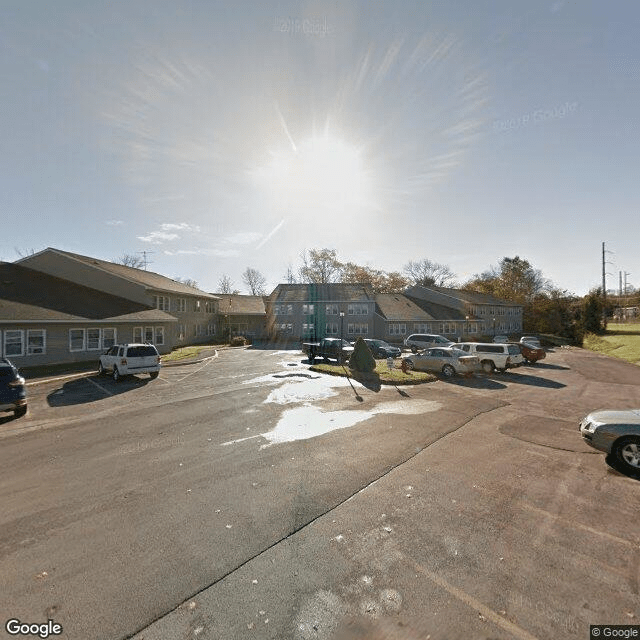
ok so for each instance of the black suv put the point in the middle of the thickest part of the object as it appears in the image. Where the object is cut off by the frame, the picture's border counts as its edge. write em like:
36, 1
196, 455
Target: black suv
13, 394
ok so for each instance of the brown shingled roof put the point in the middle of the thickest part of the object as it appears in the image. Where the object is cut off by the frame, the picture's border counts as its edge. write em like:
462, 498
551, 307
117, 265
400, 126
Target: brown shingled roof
28, 295
236, 304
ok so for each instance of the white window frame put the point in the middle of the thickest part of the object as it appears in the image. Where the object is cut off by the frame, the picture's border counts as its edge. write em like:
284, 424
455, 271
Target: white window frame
158, 337
181, 305
103, 337
358, 309
332, 310
331, 329
397, 329
357, 329
148, 333
162, 303
14, 331
36, 350
138, 332
93, 344
307, 309
84, 340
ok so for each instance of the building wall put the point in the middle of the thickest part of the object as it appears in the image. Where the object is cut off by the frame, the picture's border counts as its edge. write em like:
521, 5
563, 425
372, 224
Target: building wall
90, 339
321, 318
197, 323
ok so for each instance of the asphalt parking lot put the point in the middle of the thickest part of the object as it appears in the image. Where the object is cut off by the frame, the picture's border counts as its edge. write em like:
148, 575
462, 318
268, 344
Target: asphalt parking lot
245, 496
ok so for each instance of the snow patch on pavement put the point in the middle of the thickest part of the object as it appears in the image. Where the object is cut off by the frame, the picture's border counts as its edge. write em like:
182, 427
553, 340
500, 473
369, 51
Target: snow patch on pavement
307, 421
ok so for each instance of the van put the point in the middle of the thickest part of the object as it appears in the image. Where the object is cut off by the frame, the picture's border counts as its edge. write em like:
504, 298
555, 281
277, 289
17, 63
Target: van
418, 341
494, 356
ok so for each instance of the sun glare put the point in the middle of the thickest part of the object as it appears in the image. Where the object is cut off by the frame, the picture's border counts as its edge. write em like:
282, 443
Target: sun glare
323, 173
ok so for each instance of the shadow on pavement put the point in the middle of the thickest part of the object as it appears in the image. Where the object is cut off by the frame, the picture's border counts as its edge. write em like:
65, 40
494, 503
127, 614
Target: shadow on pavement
615, 467
476, 383
545, 365
534, 381
91, 389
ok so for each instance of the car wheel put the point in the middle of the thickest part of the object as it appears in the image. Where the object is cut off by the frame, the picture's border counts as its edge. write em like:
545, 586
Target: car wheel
448, 371
627, 452
154, 375
488, 366
19, 412
409, 364
116, 374
101, 370
414, 349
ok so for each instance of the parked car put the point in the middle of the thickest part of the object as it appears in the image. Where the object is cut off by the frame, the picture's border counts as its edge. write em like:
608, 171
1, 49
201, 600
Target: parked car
127, 359
531, 340
419, 341
531, 353
616, 433
445, 360
501, 339
493, 355
13, 393
382, 349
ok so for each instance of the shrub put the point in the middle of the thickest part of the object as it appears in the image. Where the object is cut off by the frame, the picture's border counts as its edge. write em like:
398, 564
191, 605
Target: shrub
238, 341
361, 358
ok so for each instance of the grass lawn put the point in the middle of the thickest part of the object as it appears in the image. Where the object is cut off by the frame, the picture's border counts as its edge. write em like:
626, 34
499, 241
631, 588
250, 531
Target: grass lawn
183, 353
620, 340
385, 375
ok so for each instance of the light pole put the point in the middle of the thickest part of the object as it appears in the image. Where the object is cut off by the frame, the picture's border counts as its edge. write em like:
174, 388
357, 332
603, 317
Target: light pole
494, 326
466, 326
341, 325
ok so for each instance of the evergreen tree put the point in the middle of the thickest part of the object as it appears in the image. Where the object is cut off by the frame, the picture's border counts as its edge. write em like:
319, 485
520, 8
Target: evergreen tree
361, 358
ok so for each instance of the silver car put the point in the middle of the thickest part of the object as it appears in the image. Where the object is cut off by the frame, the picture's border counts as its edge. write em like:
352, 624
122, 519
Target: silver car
616, 433
445, 360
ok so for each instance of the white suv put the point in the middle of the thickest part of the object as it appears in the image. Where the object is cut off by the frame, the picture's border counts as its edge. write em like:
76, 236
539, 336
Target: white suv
493, 355
126, 359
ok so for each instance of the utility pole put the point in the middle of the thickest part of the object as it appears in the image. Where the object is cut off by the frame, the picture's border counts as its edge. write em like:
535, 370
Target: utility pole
604, 289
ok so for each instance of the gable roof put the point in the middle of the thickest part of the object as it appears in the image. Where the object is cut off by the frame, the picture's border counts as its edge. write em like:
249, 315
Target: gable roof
28, 295
397, 307
236, 304
457, 295
329, 292
147, 279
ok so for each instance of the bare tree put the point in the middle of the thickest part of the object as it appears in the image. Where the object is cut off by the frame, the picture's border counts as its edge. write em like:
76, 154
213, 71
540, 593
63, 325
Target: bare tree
225, 285
290, 276
320, 266
254, 281
130, 260
24, 253
427, 273
188, 281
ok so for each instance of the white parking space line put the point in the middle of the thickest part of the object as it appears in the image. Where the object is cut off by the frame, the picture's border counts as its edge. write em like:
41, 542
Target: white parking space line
205, 363
95, 384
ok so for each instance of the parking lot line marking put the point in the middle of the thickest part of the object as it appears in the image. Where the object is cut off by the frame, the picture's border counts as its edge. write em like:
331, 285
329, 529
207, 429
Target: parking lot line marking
95, 384
206, 361
475, 604
584, 527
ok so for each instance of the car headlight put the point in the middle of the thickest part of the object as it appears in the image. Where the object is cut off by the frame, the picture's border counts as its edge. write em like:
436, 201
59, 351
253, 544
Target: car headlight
590, 426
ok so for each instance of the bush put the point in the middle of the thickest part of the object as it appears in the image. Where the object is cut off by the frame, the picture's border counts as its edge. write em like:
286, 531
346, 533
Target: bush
238, 341
361, 358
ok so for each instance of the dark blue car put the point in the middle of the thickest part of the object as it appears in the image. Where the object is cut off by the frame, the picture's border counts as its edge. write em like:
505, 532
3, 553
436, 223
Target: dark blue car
382, 349
13, 393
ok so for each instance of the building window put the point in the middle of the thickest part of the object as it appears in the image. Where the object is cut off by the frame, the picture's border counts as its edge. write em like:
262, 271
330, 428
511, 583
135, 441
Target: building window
331, 310
308, 328
137, 334
358, 309
36, 342
159, 335
13, 343
162, 303
331, 329
93, 339
357, 329
397, 329
449, 327
286, 328
211, 329
197, 306
181, 331
181, 305
422, 327
210, 307
307, 309
77, 339
108, 338
148, 334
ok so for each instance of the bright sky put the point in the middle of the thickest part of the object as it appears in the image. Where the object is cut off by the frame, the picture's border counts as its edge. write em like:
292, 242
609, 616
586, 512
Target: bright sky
217, 135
